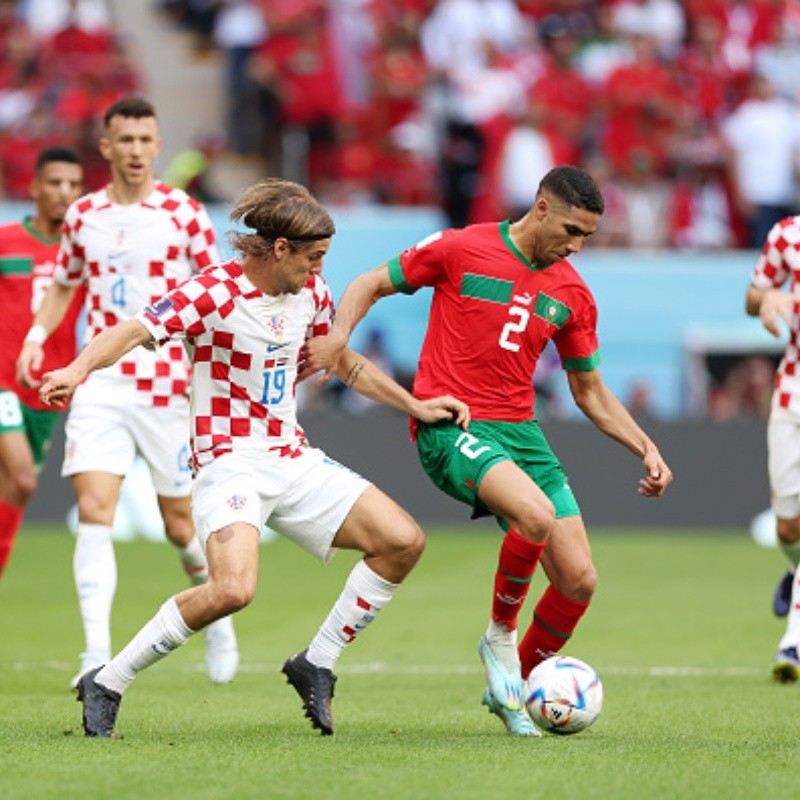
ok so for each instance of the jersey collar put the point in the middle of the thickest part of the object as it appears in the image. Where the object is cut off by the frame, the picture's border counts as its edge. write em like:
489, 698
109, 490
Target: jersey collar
505, 235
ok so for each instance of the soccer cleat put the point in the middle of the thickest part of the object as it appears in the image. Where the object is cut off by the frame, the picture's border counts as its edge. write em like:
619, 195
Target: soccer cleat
89, 661
782, 599
786, 667
100, 706
518, 723
505, 686
222, 652
315, 687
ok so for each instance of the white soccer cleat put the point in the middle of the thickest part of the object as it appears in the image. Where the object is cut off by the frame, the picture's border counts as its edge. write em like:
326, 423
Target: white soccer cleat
222, 651
90, 661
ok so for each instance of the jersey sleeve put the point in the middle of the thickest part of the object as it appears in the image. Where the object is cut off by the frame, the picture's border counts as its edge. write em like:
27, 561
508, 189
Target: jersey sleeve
576, 341
323, 308
424, 264
70, 261
187, 311
771, 270
202, 249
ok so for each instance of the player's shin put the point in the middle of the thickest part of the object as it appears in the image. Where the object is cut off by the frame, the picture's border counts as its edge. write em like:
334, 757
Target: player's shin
10, 522
554, 620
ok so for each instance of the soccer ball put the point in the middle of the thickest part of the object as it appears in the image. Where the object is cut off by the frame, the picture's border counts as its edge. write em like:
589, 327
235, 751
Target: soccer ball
564, 695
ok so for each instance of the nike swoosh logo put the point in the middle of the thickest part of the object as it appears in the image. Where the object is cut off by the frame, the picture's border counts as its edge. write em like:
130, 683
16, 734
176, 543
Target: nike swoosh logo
271, 348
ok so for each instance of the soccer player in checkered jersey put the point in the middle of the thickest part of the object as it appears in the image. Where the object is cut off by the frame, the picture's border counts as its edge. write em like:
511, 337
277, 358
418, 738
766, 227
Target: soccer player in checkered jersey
129, 243
245, 323
501, 291
28, 252
779, 265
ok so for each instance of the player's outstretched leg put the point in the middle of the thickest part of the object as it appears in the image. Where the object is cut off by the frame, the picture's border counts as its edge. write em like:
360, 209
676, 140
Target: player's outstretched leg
782, 599
518, 723
100, 706
222, 651
315, 687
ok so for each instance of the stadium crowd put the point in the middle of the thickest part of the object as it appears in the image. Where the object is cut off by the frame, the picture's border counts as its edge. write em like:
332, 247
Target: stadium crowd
685, 113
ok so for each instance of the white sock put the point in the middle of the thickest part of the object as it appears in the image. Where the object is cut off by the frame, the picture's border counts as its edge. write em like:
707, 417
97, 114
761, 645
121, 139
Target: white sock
503, 643
95, 570
365, 593
792, 552
165, 632
194, 561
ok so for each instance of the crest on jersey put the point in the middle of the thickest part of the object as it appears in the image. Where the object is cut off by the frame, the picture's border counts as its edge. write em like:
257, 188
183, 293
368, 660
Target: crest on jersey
237, 502
277, 327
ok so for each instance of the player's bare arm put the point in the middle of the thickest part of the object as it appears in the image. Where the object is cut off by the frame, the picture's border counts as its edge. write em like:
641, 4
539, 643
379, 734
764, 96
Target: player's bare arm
55, 303
323, 352
361, 375
770, 305
103, 351
605, 410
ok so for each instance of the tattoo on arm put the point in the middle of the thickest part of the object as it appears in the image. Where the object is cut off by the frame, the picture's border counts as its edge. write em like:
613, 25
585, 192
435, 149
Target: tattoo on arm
352, 376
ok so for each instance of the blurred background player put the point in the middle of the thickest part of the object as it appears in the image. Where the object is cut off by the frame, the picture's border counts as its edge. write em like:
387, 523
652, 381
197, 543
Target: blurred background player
129, 242
502, 291
775, 267
28, 251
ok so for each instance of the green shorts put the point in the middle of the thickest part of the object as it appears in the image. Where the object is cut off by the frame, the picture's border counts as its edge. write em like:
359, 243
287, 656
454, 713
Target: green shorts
38, 426
457, 461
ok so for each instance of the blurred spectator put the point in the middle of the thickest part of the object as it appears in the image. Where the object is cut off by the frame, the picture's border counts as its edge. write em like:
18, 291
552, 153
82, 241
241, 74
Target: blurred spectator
745, 392
46, 17
613, 228
701, 212
640, 401
603, 50
648, 199
779, 61
526, 156
375, 350
663, 20
239, 29
763, 139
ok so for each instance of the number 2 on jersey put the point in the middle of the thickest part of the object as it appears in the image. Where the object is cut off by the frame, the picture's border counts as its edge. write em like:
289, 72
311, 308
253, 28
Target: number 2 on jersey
514, 326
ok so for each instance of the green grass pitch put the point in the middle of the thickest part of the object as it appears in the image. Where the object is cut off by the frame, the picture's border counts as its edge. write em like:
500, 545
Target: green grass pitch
681, 633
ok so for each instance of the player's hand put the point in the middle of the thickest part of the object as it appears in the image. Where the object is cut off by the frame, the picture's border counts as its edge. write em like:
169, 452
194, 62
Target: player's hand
29, 362
320, 353
776, 305
57, 386
440, 408
659, 475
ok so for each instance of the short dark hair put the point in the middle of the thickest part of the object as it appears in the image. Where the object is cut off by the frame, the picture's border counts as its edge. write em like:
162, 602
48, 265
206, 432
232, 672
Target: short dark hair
573, 186
130, 108
56, 153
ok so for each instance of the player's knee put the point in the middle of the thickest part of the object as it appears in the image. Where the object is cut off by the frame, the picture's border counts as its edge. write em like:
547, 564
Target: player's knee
789, 530
232, 593
21, 487
535, 520
403, 546
94, 508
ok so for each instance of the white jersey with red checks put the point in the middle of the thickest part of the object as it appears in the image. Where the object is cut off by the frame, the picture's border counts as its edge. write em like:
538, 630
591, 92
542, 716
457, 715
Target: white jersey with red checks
244, 347
778, 264
129, 256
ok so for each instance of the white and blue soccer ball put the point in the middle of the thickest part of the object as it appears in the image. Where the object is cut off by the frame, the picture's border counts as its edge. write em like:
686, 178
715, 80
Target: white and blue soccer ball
564, 695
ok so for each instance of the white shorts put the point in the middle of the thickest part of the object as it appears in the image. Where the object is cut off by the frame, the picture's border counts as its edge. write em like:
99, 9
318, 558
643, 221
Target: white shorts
305, 499
783, 447
107, 439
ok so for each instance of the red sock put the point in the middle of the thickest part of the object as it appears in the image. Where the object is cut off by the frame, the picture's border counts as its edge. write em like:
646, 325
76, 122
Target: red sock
554, 620
10, 521
517, 562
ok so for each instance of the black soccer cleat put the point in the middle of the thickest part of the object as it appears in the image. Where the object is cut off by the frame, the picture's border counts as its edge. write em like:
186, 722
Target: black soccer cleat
315, 687
100, 706
782, 600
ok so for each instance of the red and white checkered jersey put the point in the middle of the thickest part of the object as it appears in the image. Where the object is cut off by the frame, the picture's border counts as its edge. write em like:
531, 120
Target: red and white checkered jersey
244, 347
129, 256
778, 263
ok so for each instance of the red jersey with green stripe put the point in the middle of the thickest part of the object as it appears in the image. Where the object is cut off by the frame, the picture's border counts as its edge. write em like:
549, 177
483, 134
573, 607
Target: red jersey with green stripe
27, 261
492, 314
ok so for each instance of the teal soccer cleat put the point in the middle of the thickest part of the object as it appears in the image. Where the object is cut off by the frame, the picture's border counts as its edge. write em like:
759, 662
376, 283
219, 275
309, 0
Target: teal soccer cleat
517, 723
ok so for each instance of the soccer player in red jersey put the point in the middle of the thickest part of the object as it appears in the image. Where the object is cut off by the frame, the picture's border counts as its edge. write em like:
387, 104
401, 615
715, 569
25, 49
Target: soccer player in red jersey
128, 243
28, 252
501, 292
